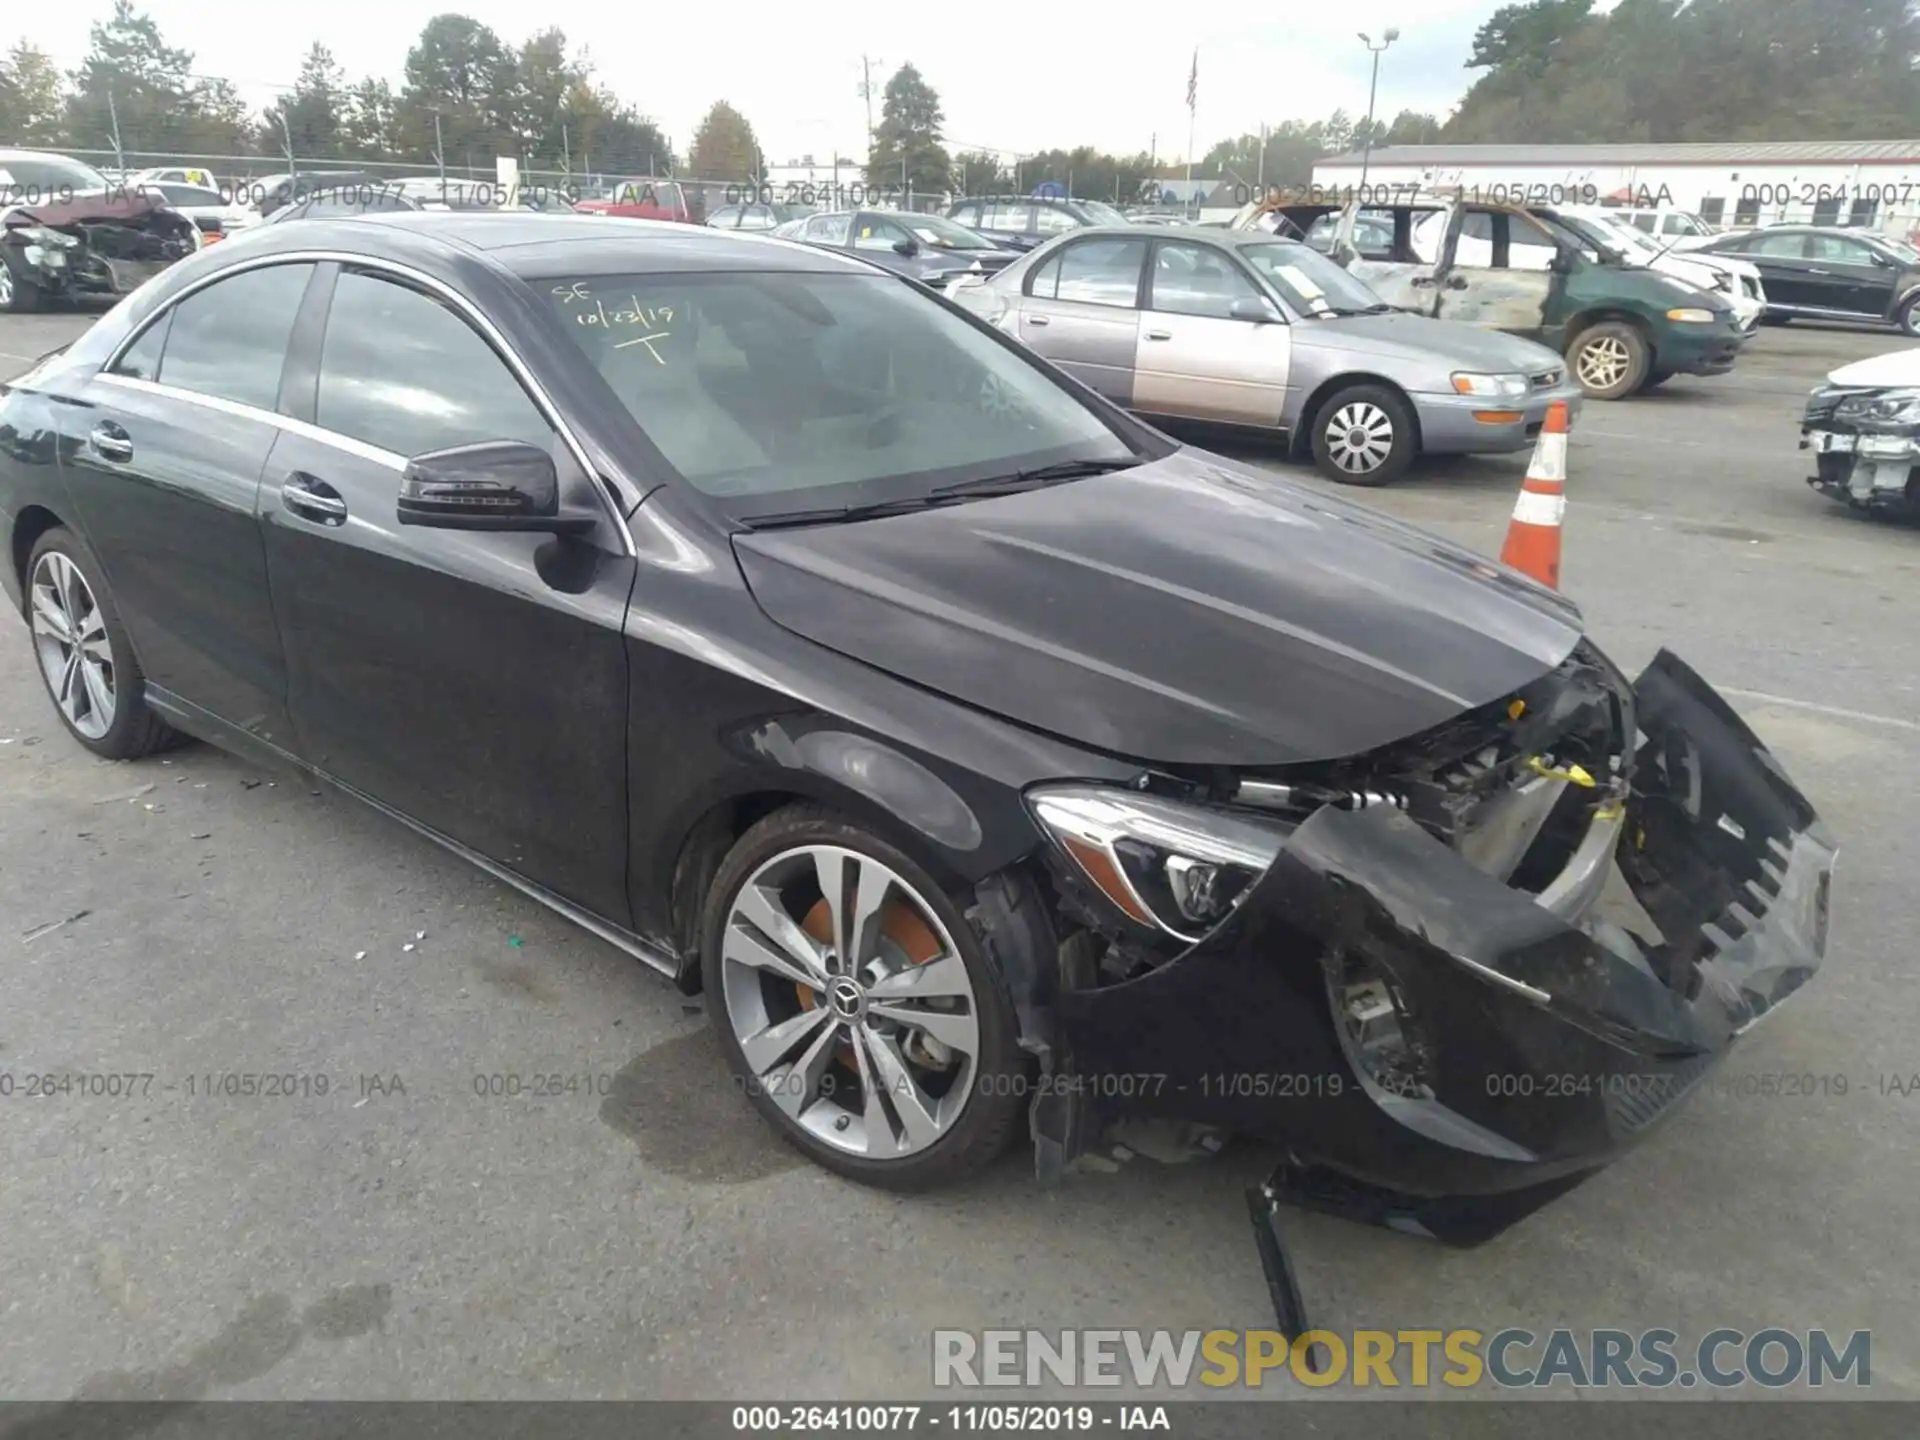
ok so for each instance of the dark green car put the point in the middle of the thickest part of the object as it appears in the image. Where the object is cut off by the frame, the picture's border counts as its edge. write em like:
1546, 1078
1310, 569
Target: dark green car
1621, 326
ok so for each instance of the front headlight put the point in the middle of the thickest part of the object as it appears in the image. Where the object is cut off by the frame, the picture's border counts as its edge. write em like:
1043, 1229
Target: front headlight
1501, 387
1169, 866
1687, 315
1900, 406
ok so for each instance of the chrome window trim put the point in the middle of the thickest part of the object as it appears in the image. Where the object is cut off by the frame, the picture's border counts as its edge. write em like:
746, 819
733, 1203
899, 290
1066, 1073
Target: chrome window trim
471, 312
274, 418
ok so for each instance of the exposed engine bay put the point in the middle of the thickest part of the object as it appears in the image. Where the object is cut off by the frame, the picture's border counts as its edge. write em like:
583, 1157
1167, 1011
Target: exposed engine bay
108, 244
1528, 789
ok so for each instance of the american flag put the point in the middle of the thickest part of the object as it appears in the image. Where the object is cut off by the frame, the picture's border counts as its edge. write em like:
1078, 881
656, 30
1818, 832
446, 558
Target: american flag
1193, 81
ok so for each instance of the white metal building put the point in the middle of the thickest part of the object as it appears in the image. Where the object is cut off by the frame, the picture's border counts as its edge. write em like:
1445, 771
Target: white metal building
1874, 183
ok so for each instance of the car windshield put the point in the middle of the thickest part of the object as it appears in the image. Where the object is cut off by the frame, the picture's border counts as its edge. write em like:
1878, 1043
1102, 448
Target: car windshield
48, 177
1593, 236
781, 392
1101, 214
1900, 248
1311, 283
934, 230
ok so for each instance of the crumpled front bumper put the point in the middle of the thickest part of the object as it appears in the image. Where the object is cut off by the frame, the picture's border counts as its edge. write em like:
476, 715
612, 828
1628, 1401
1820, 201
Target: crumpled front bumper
1548, 1051
1871, 464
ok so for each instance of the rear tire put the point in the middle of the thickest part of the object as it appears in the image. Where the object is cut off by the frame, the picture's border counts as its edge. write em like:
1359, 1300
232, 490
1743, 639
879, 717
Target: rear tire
1610, 360
1909, 319
920, 974
1364, 435
85, 659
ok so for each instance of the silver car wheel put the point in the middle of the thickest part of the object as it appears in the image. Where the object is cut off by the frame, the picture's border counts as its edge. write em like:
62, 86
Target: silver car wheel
70, 635
6, 287
857, 1018
1360, 437
1603, 363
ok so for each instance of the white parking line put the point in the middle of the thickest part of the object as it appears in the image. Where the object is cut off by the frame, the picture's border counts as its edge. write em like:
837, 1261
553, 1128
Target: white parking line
1839, 712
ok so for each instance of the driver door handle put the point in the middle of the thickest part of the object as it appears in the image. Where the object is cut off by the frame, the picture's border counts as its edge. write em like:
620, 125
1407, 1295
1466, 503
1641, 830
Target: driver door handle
1812, 270
1159, 334
1034, 319
110, 442
313, 499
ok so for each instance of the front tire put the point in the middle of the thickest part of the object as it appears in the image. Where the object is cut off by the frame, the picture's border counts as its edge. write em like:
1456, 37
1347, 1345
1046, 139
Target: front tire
1610, 360
1909, 319
855, 1005
1363, 435
17, 296
86, 660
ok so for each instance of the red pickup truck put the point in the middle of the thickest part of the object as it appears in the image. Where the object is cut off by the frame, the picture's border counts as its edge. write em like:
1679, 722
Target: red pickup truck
643, 199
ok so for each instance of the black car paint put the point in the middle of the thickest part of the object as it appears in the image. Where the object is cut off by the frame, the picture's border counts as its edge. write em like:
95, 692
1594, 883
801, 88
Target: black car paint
1875, 290
419, 669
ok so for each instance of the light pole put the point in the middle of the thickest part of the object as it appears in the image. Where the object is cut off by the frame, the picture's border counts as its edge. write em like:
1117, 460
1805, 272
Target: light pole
1387, 37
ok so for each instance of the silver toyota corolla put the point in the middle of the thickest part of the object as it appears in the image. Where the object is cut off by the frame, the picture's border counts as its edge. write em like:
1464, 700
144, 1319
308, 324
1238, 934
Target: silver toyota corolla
1244, 328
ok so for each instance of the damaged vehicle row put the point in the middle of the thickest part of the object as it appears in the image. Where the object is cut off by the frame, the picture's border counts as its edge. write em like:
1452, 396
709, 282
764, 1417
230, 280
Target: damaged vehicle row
1622, 325
67, 233
993, 763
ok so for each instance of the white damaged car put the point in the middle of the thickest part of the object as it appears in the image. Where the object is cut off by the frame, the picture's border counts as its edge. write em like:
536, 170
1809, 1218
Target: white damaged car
1863, 427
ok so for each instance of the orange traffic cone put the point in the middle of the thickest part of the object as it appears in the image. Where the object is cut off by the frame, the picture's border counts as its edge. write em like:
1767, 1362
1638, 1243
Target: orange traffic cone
1533, 537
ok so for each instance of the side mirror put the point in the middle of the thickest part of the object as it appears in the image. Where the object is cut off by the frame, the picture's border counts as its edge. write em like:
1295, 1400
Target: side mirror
906, 247
1256, 309
1562, 262
495, 485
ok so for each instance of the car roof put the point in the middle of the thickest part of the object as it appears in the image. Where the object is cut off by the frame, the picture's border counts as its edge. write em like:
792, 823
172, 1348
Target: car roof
530, 243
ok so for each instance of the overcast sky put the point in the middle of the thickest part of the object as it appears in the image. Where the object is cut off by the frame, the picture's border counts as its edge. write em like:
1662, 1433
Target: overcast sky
1034, 77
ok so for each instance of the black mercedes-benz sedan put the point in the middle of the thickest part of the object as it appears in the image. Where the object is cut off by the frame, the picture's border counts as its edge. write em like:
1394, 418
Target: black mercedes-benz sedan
988, 759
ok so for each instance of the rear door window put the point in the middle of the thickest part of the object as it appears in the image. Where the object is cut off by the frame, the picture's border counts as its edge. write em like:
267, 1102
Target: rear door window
1101, 272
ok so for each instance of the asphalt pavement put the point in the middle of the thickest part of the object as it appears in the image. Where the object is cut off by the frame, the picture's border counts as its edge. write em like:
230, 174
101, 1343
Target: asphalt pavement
427, 1228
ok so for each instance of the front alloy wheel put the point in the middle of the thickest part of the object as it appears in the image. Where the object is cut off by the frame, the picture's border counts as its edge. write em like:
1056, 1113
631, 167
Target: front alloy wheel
855, 1005
70, 637
1611, 360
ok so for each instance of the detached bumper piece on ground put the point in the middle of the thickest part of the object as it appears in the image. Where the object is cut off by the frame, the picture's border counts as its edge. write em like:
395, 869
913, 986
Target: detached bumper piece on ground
1443, 1037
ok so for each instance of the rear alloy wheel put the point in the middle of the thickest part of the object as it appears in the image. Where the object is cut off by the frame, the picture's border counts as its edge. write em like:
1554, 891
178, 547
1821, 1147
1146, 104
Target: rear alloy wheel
1909, 320
85, 657
1363, 435
1610, 360
856, 1007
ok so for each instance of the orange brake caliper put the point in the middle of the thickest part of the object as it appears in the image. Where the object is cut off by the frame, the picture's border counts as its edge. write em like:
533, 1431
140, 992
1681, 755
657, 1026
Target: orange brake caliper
899, 923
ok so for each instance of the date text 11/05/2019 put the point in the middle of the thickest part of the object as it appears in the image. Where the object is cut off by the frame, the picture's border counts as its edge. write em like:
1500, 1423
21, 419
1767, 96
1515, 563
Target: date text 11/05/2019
982, 1419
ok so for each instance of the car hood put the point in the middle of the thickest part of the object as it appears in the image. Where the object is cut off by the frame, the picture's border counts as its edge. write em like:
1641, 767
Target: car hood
1902, 367
1188, 611
1418, 336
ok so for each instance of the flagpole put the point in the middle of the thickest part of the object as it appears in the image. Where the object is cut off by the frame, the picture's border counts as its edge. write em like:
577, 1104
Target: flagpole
1193, 95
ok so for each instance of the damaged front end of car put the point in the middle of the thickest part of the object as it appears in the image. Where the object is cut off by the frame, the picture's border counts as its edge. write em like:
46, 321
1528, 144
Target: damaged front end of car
107, 245
1450, 978
1866, 444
